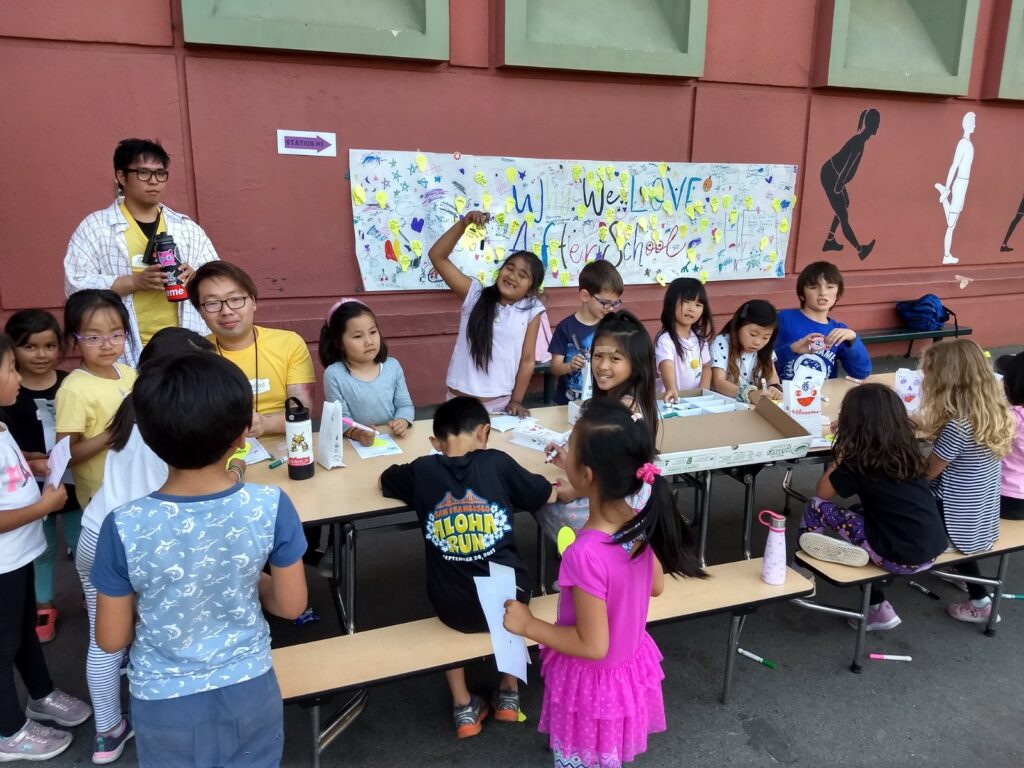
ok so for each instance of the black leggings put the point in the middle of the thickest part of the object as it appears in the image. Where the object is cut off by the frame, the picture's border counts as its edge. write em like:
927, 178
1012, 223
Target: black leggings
19, 647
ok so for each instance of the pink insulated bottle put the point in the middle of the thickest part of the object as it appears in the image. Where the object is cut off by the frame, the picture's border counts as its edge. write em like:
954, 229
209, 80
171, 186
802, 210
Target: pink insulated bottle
773, 569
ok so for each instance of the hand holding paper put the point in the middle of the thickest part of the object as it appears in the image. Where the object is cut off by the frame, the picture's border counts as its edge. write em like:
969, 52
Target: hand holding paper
494, 592
58, 462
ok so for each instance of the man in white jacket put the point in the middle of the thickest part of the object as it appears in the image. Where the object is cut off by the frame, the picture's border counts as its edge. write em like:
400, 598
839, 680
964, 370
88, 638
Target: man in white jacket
108, 248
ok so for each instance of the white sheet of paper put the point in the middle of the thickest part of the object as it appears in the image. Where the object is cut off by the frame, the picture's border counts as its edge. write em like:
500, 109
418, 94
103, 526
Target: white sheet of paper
510, 652
58, 461
46, 413
257, 452
503, 422
383, 445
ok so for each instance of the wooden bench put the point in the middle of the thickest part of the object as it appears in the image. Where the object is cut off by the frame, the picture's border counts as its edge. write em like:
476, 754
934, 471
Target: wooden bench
311, 672
909, 335
1011, 539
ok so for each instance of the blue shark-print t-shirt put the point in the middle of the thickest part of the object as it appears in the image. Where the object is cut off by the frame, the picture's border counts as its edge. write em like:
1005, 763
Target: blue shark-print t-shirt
194, 564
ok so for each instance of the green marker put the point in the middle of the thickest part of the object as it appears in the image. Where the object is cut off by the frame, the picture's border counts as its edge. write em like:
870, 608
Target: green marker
766, 662
277, 463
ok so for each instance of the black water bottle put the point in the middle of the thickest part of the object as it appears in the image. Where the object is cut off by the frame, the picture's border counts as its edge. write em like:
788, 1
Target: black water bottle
167, 257
298, 430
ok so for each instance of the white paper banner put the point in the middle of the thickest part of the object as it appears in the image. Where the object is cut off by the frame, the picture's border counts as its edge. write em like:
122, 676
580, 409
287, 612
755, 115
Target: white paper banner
654, 221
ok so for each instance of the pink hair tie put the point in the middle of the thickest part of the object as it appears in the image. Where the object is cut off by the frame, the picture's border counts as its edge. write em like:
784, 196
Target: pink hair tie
647, 473
338, 303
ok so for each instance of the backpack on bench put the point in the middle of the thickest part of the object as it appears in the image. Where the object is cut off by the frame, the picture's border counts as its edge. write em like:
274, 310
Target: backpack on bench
926, 314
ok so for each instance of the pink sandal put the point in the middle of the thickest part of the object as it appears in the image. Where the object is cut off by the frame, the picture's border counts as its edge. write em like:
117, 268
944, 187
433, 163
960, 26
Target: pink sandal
46, 624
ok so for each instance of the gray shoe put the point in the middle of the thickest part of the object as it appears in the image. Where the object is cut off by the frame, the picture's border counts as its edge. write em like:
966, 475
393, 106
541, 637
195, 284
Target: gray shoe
822, 547
60, 708
469, 718
34, 742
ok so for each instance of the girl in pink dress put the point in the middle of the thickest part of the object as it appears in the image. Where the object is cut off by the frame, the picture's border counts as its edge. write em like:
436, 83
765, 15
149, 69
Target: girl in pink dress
602, 671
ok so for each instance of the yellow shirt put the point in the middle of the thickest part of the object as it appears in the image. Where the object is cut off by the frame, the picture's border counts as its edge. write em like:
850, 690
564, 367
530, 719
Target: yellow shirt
277, 359
153, 311
85, 405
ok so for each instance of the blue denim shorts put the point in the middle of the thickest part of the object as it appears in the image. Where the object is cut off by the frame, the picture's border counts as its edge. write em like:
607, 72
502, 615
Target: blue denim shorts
240, 725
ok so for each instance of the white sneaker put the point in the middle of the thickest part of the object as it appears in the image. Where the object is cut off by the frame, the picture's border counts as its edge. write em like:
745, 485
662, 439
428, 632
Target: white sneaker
822, 547
950, 260
34, 742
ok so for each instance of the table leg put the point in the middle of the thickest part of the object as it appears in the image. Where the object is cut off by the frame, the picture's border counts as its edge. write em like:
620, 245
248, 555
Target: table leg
735, 628
862, 628
997, 597
343, 577
350, 577
750, 485
704, 494
542, 560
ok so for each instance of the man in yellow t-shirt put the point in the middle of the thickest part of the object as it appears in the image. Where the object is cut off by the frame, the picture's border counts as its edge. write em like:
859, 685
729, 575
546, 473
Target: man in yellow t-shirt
276, 362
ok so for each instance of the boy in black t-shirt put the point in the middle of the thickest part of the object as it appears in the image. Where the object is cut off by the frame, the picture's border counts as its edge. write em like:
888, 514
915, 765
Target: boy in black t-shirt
464, 498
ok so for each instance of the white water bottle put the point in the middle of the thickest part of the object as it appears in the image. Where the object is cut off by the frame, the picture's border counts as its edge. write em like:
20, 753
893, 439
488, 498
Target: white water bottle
773, 569
298, 430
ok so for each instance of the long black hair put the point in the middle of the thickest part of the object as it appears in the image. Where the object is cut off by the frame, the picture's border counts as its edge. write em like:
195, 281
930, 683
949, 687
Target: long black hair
614, 446
753, 312
876, 437
686, 289
166, 343
626, 331
331, 348
480, 326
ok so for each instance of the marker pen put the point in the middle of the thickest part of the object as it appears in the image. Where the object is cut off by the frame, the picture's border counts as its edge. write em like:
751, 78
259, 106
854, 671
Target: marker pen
277, 463
356, 425
853, 380
924, 590
765, 662
1008, 596
887, 657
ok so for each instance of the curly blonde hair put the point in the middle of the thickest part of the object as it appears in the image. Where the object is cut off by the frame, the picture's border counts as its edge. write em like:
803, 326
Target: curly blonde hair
958, 384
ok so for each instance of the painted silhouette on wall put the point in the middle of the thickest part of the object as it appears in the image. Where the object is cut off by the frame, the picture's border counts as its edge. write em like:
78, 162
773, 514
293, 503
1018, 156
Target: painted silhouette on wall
836, 174
953, 193
1005, 247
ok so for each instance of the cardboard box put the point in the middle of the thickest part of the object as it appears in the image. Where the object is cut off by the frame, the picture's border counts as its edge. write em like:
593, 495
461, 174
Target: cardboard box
711, 441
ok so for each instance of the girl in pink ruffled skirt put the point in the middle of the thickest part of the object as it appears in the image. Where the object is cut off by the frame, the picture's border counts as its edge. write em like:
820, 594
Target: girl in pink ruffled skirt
602, 671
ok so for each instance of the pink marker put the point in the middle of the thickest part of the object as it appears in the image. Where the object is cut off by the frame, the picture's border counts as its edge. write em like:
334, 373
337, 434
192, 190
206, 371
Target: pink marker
888, 657
356, 425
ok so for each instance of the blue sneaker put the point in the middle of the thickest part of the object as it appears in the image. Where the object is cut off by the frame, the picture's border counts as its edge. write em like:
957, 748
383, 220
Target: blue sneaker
108, 747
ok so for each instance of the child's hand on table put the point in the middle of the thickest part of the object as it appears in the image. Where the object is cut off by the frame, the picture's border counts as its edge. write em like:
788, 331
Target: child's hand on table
363, 436
398, 427
671, 395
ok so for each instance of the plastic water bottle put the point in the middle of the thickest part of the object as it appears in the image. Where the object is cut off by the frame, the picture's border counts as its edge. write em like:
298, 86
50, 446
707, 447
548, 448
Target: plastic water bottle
298, 430
167, 257
773, 569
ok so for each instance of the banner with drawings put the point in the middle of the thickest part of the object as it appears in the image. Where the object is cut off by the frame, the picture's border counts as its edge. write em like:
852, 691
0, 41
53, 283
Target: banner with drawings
654, 221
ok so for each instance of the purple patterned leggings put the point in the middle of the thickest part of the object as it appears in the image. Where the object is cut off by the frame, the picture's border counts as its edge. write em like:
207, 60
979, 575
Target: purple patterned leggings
821, 515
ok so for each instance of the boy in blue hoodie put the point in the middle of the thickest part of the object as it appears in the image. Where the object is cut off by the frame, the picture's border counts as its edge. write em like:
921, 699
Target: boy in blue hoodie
810, 331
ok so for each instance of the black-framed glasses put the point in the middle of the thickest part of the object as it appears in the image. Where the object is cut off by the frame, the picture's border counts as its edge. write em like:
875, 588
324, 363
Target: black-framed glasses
145, 174
117, 337
215, 305
612, 304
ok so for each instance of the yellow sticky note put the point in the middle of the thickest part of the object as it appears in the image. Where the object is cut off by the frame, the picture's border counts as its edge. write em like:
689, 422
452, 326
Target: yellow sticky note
536, 248
581, 209
699, 207
601, 173
421, 162
488, 254
404, 261
609, 215
564, 277
667, 207
691, 254
714, 205
552, 248
577, 172
500, 218
511, 173
591, 177
691, 211
494, 275
610, 170
623, 193
703, 225
655, 235
628, 230
480, 178
598, 183
764, 243
748, 203
642, 223
733, 215
620, 237
653, 218
660, 278
703, 276
381, 198
683, 229
499, 252
509, 204
773, 257
416, 247
623, 177
513, 227
460, 203
530, 218
394, 226
486, 200
645, 193
358, 194
777, 205
784, 226
662, 169
482, 276
602, 233
727, 201
566, 536
718, 236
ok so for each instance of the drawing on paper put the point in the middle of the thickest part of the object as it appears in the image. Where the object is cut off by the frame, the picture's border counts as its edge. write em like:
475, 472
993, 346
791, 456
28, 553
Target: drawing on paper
654, 221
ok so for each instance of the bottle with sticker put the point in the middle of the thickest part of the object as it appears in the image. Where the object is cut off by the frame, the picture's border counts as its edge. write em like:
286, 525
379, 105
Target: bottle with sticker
298, 430
167, 257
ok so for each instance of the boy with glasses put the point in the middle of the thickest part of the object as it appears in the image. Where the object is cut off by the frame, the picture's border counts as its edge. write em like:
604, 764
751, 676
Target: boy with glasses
110, 249
600, 293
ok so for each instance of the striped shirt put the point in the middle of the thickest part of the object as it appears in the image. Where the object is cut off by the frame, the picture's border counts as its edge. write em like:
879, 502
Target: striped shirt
968, 488
98, 254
